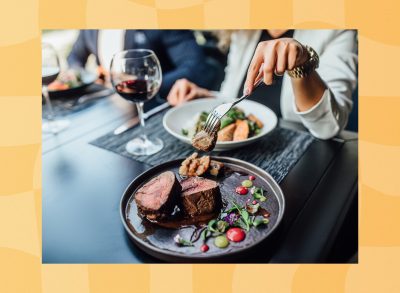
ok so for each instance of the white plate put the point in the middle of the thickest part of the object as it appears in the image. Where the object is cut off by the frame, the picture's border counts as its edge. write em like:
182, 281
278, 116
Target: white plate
184, 116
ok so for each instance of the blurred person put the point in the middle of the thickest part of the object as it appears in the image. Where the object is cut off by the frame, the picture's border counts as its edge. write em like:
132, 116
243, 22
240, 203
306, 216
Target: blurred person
321, 67
179, 54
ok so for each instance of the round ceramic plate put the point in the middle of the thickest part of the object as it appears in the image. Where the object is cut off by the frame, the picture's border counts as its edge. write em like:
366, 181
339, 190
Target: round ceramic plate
159, 241
185, 116
87, 78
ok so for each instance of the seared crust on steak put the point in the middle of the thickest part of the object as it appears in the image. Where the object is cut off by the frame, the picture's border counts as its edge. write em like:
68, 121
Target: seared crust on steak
204, 142
157, 198
194, 166
200, 196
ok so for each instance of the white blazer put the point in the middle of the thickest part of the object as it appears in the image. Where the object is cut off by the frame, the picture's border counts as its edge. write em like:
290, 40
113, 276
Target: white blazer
337, 50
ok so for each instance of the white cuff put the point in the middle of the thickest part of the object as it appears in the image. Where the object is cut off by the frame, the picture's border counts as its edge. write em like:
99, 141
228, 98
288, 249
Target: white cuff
320, 119
316, 111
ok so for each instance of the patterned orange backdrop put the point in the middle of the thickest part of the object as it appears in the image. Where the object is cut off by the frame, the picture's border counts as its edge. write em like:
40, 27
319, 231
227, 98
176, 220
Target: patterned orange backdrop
20, 145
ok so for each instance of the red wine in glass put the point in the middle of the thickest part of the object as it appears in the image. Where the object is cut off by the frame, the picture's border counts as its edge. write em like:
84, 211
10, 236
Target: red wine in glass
49, 74
50, 71
136, 90
136, 76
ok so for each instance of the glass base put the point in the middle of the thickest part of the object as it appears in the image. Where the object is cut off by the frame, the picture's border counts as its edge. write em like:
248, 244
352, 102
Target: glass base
55, 126
144, 146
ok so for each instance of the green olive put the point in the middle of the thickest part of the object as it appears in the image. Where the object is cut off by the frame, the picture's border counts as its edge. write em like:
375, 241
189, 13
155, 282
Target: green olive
247, 183
221, 241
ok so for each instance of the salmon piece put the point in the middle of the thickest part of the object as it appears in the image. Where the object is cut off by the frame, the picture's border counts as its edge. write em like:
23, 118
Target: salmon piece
226, 133
57, 86
242, 130
257, 121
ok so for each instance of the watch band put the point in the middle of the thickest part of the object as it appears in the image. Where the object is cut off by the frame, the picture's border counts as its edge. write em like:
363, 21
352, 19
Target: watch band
309, 66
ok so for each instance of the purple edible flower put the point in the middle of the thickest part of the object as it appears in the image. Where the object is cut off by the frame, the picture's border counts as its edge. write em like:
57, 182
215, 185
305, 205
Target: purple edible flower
231, 218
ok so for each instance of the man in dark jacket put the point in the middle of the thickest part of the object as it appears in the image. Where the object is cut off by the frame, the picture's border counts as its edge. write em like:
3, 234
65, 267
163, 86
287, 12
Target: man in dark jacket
179, 54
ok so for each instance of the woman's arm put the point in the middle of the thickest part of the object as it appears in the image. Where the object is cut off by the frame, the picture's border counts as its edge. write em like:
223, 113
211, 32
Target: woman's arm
338, 71
322, 98
308, 91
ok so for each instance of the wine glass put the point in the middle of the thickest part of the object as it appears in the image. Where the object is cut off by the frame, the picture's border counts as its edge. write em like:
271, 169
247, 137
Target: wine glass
50, 71
136, 76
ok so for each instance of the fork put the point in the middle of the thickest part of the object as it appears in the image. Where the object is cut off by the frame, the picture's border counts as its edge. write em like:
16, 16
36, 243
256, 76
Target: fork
213, 119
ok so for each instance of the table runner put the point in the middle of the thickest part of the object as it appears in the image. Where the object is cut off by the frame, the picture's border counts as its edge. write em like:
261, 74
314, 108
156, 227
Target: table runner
276, 153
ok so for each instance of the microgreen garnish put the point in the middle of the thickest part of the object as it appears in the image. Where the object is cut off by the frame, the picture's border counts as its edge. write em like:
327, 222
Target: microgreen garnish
211, 224
185, 132
252, 208
205, 234
182, 242
258, 193
222, 226
259, 221
244, 216
231, 218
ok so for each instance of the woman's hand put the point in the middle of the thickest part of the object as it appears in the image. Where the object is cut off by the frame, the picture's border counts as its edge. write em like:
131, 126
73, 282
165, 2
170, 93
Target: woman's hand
275, 56
184, 90
103, 75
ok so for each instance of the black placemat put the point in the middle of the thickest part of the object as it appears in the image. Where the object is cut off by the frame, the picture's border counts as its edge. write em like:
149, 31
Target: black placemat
276, 153
60, 102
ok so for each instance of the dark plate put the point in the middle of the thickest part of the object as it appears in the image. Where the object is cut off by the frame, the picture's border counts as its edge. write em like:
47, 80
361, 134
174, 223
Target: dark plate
87, 78
158, 241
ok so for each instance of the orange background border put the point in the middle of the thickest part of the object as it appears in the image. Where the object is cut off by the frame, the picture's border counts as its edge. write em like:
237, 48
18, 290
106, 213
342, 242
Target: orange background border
20, 145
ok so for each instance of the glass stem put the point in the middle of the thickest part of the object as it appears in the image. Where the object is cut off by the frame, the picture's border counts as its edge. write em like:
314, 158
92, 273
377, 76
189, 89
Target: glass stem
50, 112
142, 122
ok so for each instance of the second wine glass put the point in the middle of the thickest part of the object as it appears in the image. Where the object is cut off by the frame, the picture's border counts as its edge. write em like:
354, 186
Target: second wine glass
136, 76
50, 71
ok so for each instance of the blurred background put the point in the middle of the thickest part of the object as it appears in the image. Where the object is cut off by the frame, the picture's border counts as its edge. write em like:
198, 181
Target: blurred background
63, 40
210, 42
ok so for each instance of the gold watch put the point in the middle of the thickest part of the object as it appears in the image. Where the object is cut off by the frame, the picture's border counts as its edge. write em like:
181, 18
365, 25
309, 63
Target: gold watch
309, 66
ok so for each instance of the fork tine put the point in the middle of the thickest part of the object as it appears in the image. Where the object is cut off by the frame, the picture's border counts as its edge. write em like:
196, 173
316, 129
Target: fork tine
207, 120
211, 126
214, 125
210, 123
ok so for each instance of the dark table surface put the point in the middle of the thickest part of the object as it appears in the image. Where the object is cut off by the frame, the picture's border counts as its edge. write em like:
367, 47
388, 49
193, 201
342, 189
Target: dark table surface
83, 184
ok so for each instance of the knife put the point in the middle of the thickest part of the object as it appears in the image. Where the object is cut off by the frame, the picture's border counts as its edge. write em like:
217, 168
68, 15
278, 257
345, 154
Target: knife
135, 120
89, 97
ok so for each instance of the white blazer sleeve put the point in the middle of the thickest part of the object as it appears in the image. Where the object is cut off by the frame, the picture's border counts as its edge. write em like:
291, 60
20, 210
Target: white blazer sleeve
338, 69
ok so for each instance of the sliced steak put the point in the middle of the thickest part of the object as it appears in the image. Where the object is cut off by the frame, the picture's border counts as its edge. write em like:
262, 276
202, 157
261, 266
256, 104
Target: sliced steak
200, 196
157, 198
204, 142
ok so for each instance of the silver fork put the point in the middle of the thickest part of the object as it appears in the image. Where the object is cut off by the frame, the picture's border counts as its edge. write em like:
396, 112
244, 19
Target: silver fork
213, 119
